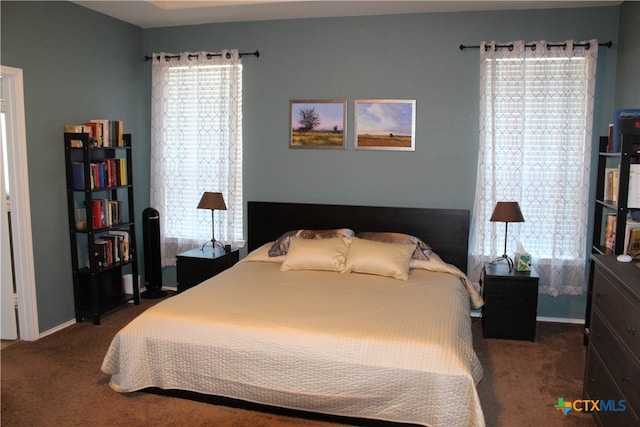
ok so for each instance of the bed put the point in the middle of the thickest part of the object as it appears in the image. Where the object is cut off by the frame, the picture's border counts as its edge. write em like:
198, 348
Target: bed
323, 329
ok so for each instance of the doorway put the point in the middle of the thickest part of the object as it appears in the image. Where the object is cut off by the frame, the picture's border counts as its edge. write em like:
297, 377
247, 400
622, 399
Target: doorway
16, 247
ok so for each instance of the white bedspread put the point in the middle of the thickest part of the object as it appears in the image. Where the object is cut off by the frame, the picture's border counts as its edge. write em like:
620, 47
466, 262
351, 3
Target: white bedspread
346, 344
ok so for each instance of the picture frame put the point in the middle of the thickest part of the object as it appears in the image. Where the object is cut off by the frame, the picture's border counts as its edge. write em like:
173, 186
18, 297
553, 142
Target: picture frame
385, 124
318, 124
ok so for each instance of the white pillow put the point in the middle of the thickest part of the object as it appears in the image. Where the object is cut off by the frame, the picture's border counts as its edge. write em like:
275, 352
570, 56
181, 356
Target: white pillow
383, 259
310, 254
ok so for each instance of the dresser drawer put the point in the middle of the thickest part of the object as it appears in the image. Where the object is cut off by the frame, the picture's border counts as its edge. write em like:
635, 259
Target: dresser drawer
623, 367
622, 314
598, 385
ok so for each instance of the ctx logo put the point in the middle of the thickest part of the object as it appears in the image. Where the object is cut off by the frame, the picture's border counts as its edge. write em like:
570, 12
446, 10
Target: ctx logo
590, 405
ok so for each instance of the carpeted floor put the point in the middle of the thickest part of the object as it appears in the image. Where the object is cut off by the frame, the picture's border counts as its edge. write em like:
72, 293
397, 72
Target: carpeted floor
56, 381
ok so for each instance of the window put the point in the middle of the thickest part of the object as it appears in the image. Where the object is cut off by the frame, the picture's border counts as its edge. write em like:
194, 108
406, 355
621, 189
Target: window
196, 146
535, 148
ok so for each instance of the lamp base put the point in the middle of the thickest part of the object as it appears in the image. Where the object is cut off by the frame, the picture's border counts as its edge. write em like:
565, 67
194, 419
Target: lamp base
214, 243
505, 258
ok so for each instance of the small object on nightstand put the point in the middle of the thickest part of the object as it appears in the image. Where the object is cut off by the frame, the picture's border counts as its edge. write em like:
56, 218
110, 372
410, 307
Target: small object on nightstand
511, 302
624, 258
197, 265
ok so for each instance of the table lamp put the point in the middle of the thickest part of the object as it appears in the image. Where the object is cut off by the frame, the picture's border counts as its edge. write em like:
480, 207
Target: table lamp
213, 201
506, 212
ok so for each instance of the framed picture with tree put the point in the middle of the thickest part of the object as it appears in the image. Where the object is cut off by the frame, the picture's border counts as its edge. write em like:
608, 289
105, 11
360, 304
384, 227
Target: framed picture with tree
317, 124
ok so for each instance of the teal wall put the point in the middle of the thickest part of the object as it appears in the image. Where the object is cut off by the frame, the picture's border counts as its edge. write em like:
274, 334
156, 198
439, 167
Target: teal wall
628, 67
404, 56
79, 64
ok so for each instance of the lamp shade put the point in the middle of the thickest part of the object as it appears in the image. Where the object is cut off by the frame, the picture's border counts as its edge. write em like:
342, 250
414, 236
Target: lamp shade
507, 212
212, 201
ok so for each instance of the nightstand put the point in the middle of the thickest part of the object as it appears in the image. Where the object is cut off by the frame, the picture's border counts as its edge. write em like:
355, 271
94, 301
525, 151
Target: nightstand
197, 265
510, 303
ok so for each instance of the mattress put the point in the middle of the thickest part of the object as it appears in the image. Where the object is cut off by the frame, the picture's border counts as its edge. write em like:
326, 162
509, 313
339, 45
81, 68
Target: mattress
355, 345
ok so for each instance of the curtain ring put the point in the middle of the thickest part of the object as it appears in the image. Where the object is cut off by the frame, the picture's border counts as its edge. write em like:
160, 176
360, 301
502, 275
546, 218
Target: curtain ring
228, 55
533, 47
564, 46
510, 47
586, 46
192, 56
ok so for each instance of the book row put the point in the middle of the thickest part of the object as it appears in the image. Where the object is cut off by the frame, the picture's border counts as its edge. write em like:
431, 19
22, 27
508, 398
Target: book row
112, 248
102, 133
611, 186
104, 174
104, 213
631, 237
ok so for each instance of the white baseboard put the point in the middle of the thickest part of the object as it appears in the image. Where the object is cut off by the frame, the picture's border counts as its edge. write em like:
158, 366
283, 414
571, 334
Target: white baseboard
57, 328
560, 320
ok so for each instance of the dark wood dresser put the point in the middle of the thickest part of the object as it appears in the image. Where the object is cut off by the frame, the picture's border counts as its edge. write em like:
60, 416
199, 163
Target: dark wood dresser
612, 373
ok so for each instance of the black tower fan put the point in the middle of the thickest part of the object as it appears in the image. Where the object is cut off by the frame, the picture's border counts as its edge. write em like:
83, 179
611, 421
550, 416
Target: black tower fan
152, 257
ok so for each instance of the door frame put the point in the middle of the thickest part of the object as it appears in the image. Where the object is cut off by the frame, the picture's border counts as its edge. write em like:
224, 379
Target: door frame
24, 271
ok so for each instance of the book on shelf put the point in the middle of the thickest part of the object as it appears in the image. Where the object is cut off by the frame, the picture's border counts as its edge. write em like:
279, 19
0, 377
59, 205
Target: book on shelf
117, 133
105, 140
77, 171
122, 242
109, 173
106, 213
610, 232
633, 200
611, 185
112, 248
100, 252
632, 238
610, 139
102, 133
96, 133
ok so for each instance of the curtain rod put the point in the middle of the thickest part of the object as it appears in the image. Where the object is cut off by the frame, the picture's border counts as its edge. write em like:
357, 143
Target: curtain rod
209, 55
533, 46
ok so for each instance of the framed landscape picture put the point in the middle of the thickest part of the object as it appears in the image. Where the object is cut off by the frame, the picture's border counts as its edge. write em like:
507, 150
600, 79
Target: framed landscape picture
385, 124
317, 124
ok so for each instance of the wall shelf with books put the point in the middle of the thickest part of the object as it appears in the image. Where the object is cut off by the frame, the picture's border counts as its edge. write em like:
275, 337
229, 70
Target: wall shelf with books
616, 220
101, 218
617, 201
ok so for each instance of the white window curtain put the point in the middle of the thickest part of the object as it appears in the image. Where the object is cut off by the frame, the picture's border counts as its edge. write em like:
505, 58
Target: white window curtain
536, 114
196, 146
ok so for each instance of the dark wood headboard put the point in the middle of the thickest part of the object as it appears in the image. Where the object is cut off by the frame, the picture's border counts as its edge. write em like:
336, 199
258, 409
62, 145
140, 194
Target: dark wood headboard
445, 230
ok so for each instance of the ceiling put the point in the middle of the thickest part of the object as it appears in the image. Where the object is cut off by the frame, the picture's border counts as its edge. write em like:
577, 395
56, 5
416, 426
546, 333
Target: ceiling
166, 13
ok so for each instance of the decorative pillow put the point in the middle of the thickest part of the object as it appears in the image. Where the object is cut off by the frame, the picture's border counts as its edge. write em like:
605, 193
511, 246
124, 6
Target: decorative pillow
281, 246
422, 250
261, 254
316, 254
383, 259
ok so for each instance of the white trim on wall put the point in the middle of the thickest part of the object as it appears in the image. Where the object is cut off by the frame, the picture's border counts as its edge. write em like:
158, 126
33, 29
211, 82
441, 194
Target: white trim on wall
13, 93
